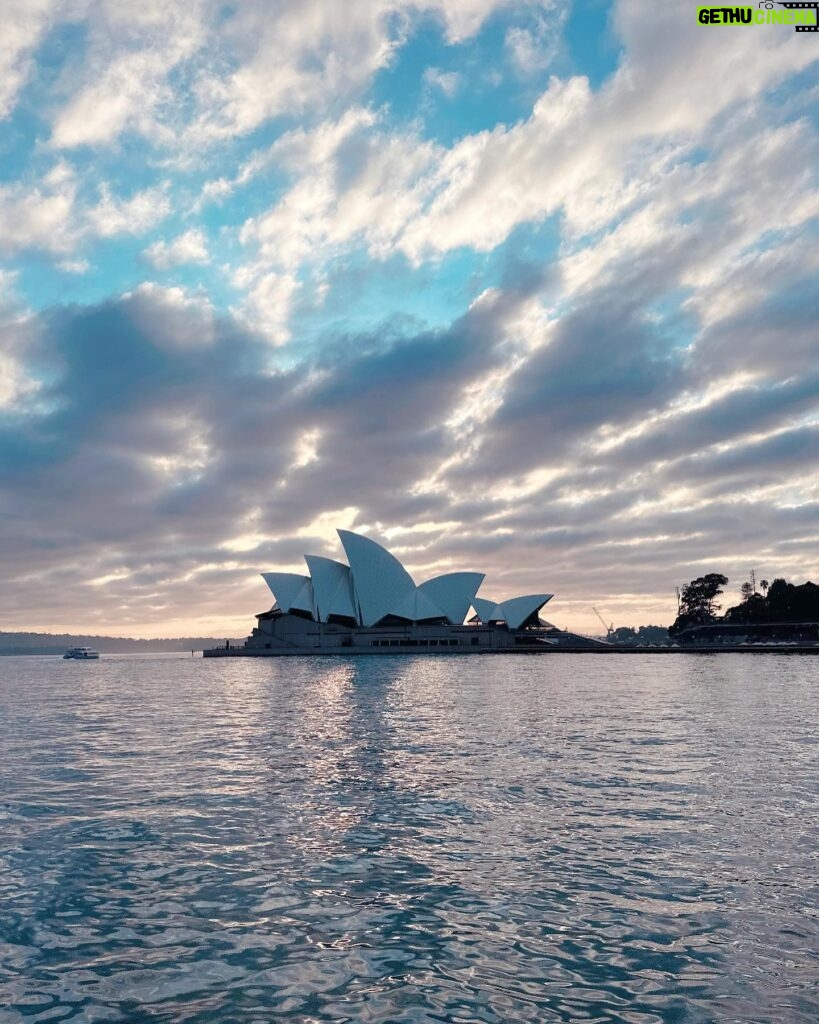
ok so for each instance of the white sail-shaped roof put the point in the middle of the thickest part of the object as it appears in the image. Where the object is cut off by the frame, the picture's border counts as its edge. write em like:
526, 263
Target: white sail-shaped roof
290, 590
454, 593
488, 611
304, 600
332, 587
380, 582
513, 612
376, 585
417, 606
517, 610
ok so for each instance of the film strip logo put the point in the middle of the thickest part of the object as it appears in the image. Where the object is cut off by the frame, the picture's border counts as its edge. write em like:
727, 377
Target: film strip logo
812, 5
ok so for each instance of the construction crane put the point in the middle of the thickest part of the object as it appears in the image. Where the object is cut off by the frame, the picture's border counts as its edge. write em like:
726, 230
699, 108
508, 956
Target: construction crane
609, 629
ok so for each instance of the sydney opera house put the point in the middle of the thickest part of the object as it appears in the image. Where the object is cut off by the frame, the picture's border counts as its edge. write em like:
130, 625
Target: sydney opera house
373, 606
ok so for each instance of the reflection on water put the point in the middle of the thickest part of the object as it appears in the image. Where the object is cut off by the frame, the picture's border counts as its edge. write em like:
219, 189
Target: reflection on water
408, 839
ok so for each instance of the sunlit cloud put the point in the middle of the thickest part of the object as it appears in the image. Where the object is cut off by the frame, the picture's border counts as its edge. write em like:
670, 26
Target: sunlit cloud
432, 271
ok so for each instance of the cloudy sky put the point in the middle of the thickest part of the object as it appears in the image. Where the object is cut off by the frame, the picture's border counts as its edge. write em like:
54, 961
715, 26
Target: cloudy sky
513, 286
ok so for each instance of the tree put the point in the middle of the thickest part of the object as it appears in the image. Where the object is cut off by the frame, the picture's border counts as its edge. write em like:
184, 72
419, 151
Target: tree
783, 602
628, 636
764, 584
747, 591
652, 634
699, 597
698, 601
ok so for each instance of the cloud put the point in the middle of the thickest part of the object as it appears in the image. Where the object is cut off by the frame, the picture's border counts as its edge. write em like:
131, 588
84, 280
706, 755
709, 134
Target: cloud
594, 367
364, 190
52, 216
628, 174
184, 73
534, 46
189, 247
463, 18
489, 183
268, 304
202, 450
321, 50
735, 410
446, 81
16, 387
628, 396
114, 215
295, 151
74, 266
189, 441
35, 220
42, 216
324, 53
123, 82
23, 26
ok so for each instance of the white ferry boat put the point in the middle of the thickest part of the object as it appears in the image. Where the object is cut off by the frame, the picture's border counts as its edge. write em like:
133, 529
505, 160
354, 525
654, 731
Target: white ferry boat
81, 653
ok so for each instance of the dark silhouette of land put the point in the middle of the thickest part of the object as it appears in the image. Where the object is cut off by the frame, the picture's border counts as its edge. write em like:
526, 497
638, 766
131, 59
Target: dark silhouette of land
58, 643
775, 613
782, 612
642, 635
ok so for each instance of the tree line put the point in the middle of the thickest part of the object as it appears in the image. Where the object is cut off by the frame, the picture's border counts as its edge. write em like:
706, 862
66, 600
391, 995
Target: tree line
778, 602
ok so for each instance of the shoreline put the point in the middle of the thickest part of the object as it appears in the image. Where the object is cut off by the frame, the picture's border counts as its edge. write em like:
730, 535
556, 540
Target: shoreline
220, 652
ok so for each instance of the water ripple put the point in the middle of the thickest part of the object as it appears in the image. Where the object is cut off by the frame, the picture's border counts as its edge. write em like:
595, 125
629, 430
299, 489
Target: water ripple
408, 840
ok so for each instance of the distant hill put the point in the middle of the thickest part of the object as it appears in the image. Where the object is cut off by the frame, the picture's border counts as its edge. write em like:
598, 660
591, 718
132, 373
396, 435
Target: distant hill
58, 643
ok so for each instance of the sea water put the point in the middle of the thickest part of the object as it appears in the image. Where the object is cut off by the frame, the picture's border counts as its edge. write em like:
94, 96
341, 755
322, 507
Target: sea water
403, 839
